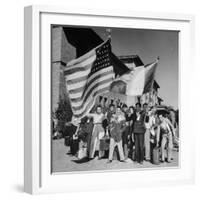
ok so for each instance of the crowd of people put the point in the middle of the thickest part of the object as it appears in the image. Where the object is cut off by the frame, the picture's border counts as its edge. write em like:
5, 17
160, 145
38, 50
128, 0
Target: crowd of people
127, 133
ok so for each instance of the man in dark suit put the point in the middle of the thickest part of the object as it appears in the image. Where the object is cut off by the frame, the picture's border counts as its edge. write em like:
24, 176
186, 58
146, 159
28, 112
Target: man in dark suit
139, 131
127, 132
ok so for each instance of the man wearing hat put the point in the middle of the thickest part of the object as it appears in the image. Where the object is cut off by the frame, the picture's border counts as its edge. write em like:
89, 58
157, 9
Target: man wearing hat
165, 129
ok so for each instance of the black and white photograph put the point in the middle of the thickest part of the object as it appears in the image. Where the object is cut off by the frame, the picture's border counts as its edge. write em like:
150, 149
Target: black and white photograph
114, 99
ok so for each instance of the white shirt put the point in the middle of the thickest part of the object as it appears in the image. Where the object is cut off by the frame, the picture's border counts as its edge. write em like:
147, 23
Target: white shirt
97, 118
152, 121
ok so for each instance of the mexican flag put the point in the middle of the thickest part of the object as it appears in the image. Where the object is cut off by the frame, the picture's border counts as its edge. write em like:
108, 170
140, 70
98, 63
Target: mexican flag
140, 80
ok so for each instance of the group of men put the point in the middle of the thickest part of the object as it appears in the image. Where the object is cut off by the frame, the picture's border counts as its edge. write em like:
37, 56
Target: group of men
133, 130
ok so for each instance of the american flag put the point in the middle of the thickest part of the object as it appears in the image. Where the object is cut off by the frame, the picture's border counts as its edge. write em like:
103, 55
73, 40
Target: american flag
87, 77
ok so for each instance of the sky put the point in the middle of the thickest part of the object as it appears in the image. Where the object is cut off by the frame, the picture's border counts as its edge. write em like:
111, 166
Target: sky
148, 45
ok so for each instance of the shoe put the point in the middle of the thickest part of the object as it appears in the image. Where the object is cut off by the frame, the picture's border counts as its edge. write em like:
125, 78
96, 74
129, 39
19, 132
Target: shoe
128, 160
109, 161
122, 161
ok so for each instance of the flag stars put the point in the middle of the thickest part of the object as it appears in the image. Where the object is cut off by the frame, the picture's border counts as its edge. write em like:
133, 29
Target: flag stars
102, 60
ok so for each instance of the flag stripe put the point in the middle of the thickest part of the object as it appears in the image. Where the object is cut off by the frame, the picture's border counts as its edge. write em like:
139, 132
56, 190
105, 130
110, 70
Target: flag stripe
85, 65
83, 78
81, 84
79, 74
76, 61
86, 110
80, 101
79, 87
83, 111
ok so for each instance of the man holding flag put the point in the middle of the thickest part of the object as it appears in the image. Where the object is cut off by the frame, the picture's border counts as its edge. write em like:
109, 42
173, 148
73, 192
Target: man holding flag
93, 74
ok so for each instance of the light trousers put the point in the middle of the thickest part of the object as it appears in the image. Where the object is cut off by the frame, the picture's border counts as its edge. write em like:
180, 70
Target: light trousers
167, 140
147, 144
94, 144
113, 143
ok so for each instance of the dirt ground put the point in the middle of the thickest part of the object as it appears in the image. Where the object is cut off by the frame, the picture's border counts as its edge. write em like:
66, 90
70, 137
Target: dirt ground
64, 162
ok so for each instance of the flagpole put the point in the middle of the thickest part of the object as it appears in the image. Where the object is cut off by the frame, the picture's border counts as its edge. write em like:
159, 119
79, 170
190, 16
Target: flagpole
108, 30
151, 91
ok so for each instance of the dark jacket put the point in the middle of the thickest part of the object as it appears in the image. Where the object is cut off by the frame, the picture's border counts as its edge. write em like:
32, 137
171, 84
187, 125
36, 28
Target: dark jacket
138, 125
109, 115
128, 130
117, 128
85, 131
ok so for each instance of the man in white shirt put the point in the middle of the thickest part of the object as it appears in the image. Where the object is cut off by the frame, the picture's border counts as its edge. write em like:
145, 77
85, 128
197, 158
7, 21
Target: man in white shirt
149, 124
98, 131
166, 130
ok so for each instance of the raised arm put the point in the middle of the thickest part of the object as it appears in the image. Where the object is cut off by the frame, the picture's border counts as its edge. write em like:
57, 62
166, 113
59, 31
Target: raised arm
171, 126
90, 114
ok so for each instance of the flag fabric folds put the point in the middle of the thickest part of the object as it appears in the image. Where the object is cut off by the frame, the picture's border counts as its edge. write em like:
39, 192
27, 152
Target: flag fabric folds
118, 66
140, 80
150, 70
87, 77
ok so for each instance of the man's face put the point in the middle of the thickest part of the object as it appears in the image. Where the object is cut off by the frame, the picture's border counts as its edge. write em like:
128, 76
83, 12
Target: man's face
131, 110
145, 108
153, 110
125, 109
111, 108
161, 118
118, 110
98, 110
138, 108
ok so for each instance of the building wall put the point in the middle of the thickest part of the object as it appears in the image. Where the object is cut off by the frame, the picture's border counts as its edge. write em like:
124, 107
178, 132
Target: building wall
62, 52
56, 64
